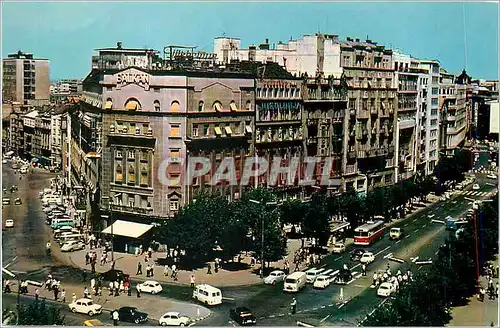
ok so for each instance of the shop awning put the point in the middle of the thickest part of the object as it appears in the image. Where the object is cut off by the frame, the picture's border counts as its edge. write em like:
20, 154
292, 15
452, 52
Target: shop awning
127, 229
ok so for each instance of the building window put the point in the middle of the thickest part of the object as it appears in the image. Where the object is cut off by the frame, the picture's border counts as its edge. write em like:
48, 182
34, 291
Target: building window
131, 174
249, 105
174, 131
131, 200
118, 153
206, 130
201, 106
144, 156
232, 106
157, 106
174, 205
131, 154
109, 104
195, 130
144, 176
119, 174
174, 153
132, 104
174, 106
217, 106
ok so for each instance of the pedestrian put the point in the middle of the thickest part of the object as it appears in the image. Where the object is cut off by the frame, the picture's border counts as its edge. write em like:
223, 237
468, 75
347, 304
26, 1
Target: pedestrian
363, 269
116, 317
113, 265
87, 258
63, 296
92, 266
73, 298
165, 270
86, 293
192, 280
147, 271
294, 305
139, 268
138, 291
375, 279
152, 269
209, 269
111, 285
37, 294
92, 283
122, 287
150, 252
56, 293
7, 287
129, 289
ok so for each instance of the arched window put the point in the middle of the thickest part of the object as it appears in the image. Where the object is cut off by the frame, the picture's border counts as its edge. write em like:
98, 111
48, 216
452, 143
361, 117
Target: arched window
233, 107
118, 174
217, 106
156, 104
109, 103
174, 106
144, 176
249, 105
131, 174
201, 106
132, 104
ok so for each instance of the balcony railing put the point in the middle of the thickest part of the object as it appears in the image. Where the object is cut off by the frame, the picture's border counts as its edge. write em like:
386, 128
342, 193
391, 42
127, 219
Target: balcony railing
130, 209
363, 113
350, 169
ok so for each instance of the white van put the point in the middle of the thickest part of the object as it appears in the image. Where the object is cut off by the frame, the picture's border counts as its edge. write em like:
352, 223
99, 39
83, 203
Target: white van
207, 294
295, 282
70, 237
312, 274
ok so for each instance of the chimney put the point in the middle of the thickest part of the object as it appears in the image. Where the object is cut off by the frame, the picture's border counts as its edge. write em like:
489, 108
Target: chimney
267, 41
119, 45
349, 39
357, 40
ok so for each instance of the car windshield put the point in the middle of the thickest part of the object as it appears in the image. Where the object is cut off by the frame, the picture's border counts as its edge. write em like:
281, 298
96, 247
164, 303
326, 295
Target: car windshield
89, 303
245, 314
384, 287
275, 274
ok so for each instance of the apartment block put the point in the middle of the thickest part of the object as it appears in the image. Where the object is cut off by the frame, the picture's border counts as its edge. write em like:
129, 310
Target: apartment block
26, 79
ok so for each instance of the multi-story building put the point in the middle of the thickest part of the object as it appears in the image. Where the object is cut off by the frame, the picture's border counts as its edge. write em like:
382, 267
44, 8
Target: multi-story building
453, 110
57, 124
41, 147
61, 89
16, 127
407, 81
371, 127
25, 79
430, 118
29, 124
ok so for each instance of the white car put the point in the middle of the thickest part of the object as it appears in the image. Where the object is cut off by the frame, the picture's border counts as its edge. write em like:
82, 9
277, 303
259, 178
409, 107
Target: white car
386, 289
475, 187
4, 161
274, 277
492, 176
150, 286
367, 258
174, 319
73, 245
9, 223
85, 305
321, 282
338, 248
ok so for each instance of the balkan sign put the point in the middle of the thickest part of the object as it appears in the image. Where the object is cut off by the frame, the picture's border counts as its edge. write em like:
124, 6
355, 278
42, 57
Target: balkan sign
132, 76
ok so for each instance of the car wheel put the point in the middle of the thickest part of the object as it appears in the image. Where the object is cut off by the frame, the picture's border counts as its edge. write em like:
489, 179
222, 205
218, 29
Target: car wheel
274, 282
136, 321
182, 324
73, 310
91, 313
163, 324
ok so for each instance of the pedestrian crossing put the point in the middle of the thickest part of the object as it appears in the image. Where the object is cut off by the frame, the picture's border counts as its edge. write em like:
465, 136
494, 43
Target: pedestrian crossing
477, 193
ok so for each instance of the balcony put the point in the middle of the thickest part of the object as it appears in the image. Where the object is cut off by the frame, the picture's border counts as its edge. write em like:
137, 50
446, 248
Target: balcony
328, 96
350, 169
133, 210
407, 123
373, 110
361, 153
363, 114
311, 140
312, 121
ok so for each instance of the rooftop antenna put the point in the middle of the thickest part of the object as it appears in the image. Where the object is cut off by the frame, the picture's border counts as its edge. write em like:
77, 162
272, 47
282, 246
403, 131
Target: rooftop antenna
223, 34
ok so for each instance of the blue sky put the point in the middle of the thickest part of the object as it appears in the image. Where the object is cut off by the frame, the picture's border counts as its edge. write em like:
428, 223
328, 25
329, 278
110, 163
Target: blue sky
67, 33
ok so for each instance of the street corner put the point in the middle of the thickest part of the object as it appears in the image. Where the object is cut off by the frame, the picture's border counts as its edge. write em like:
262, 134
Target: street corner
194, 311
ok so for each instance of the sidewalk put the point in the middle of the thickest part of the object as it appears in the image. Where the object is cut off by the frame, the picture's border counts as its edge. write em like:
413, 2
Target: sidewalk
154, 306
476, 313
224, 278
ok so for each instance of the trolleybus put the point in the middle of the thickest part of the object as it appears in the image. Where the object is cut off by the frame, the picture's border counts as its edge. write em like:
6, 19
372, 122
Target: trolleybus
368, 232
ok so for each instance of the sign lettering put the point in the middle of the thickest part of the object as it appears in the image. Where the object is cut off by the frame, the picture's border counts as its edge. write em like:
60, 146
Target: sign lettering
141, 79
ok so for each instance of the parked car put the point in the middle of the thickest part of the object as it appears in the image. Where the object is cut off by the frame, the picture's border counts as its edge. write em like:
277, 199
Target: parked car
367, 258
386, 289
322, 282
18, 201
112, 276
338, 248
396, 233
174, 319
243, 316
73, 245
475, 187
131, 314
274, 277
356, 254
150, 286
6, 201
492, 176
85, 305
9, 223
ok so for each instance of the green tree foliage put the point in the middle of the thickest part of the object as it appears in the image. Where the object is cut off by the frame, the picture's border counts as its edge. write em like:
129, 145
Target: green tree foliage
317, 221
39, 313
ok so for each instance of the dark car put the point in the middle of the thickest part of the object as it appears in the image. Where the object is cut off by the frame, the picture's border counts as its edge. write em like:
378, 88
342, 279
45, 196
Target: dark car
243, 316
18, 201
356, 254
112, 276
130, 314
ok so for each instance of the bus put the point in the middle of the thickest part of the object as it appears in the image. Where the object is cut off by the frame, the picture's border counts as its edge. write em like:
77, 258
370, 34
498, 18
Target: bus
368, 232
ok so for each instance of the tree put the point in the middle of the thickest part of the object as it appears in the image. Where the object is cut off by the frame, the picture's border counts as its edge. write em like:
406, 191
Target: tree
39, 313
293, 211
353, 207
317, 221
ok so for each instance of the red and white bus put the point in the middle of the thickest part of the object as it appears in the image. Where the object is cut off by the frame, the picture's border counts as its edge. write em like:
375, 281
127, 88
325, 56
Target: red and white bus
368, 232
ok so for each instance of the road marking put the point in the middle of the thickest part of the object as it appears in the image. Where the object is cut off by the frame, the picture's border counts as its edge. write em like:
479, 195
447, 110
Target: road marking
382, 250
414, 259
281, 315
416, 229
354, 267
398, 241
330, 305
359, 286
322, 320
425, 225
341, 305
387, 255
436, 253
338, 258
415, 220
405, 224
324, 306
307, 310
272, 316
